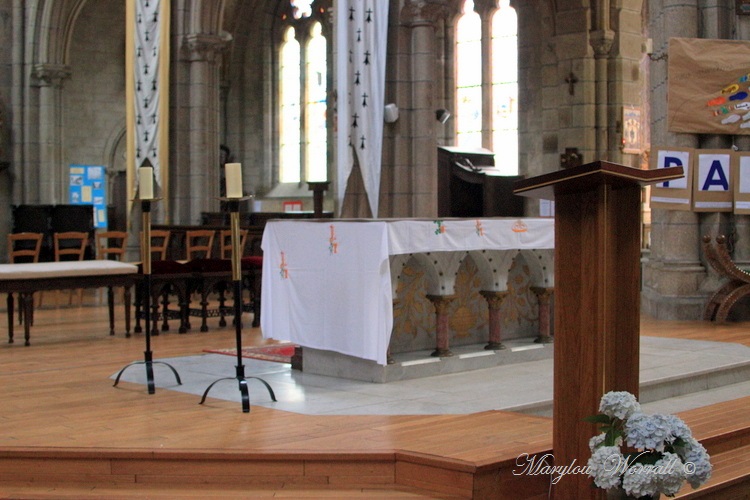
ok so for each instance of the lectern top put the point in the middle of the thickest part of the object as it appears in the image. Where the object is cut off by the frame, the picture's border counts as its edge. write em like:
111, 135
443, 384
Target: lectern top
585, 177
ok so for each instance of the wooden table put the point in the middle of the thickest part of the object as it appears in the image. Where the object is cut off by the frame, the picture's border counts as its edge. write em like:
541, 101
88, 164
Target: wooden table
25, 279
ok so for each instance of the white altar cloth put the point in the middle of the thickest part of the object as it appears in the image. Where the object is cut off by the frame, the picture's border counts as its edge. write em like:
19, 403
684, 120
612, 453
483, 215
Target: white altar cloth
327, 282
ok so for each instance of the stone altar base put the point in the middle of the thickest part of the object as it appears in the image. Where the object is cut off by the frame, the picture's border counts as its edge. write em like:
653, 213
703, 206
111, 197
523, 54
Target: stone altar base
419, 364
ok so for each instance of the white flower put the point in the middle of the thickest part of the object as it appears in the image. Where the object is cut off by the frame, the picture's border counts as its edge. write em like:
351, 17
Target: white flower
619, 404
605, 466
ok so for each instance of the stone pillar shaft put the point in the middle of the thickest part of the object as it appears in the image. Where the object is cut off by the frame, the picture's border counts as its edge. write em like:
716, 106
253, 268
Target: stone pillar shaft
494, 302
441, 303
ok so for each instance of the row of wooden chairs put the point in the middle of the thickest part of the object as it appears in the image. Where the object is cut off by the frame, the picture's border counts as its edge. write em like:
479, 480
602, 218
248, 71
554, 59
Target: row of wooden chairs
26, 247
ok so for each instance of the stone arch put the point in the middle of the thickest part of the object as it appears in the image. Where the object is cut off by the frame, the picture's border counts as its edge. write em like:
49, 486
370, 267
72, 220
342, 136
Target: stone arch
541, 266
53, 30
494, 266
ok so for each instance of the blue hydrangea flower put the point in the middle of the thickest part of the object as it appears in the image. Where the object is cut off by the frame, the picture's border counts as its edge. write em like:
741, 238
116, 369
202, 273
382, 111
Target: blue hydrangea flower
648, 432
671, 473
697, 463
619, 404
640, 481
605, 466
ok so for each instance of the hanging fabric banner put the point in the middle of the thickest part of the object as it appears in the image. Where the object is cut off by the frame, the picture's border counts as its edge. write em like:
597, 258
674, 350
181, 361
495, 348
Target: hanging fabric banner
147, 65
361, 31
708, 86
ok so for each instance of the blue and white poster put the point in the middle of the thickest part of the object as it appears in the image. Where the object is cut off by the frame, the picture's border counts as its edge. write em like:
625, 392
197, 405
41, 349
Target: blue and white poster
87, 186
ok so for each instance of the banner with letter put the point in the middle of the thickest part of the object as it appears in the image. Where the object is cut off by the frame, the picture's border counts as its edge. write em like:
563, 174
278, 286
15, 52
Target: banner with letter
713, 189
741, 175
676, 194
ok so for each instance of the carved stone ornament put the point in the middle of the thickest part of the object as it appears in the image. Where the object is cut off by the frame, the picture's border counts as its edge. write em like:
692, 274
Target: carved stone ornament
204, 47
50, 75
424, 11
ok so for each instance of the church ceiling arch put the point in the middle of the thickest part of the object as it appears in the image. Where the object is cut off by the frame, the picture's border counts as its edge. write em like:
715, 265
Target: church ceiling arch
53, 30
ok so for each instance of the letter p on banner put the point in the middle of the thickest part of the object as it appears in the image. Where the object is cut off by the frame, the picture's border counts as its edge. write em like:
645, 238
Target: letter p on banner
675, 194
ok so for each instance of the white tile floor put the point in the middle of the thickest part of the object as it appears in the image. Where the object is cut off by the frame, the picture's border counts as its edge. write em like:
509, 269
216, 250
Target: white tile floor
679, 374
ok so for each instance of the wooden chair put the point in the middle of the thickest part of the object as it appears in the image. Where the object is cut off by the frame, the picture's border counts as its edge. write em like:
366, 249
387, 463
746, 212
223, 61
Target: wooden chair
24, 247
225, 243
199, 243
159, 244
71, 246
111, 245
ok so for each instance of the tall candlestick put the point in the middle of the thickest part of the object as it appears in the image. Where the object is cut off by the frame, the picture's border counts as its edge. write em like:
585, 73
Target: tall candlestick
146, 183
233, 176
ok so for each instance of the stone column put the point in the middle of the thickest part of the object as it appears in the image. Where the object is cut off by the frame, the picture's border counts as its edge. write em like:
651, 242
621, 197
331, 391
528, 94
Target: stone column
494, 302
441, 303
419, 198
198, 180
673, 273
544, 295
49, 182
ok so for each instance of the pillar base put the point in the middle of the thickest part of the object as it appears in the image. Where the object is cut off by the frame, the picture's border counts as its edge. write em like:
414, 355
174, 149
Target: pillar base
441, 353
494, 346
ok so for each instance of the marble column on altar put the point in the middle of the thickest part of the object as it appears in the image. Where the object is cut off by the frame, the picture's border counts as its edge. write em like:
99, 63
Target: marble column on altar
441, 303
544, 295
494, 302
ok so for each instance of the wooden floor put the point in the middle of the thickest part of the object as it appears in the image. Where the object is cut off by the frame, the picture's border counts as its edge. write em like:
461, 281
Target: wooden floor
57, 398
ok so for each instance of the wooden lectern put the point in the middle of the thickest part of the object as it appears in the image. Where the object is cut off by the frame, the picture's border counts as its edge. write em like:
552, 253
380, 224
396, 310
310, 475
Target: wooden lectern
597, 299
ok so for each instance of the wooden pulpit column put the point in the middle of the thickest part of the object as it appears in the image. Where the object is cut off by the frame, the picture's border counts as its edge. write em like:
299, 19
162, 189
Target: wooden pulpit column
597, 299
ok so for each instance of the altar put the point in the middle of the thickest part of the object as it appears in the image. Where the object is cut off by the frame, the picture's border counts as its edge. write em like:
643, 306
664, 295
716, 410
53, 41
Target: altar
330, 284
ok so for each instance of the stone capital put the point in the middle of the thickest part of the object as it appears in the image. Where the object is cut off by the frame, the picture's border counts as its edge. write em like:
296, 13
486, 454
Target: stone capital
50, 75
494, 298
441, 302
601, 41
423, 12
204, 47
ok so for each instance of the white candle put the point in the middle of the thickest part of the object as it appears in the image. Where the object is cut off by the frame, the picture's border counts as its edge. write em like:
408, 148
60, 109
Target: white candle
233, 174
146, 183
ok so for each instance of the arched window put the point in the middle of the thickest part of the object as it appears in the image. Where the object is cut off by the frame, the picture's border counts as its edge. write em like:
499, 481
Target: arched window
505, 87
469, 78
289, 109
503, 84
316, 143
303, 92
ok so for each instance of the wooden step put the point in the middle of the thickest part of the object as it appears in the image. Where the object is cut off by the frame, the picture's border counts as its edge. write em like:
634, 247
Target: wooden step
730, 478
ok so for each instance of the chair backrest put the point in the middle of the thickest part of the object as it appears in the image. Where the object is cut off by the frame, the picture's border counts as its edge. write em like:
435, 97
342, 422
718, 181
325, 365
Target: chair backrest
25, 246
159, 244
199, 243
111, 245
70, 245
226, 243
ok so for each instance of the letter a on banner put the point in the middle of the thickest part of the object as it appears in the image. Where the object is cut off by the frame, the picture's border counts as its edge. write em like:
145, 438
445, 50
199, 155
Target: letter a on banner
713, 181
675, 194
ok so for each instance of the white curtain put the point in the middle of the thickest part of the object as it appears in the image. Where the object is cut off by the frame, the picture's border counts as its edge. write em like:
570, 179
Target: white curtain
361, 31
